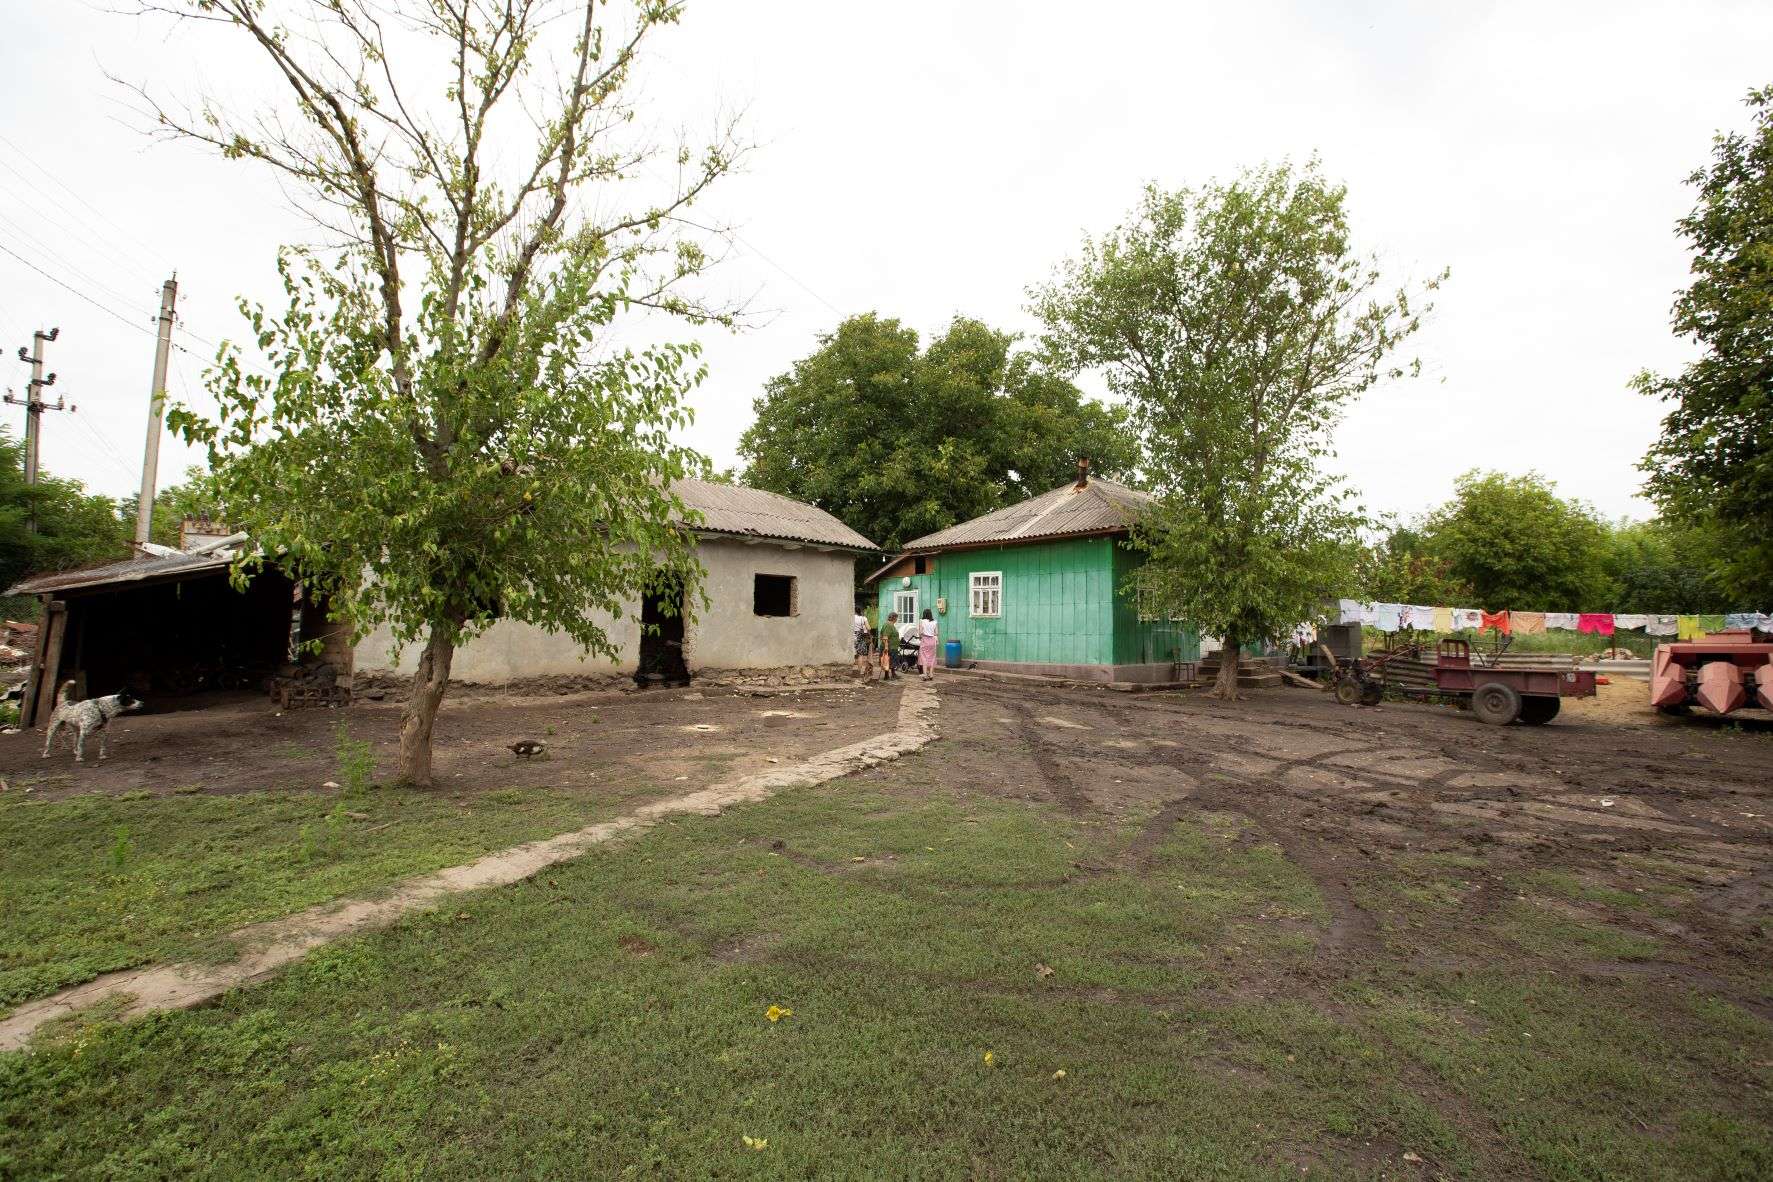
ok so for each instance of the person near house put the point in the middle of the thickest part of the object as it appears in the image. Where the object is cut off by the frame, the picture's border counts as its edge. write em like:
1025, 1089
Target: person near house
860, 630
926, 646
887, 640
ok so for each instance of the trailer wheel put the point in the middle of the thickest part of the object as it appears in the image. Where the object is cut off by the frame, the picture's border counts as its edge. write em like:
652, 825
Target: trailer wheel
1539, 711
1495, 703
1348, 691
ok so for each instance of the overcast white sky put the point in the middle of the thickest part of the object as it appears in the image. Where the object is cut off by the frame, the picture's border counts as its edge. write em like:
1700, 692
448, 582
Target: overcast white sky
927, 159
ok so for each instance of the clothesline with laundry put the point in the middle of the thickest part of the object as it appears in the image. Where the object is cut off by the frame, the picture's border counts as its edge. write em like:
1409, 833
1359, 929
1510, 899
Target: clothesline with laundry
1400, 617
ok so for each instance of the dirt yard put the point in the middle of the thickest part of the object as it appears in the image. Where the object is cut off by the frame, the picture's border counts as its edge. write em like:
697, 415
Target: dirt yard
1647, 841
245, 744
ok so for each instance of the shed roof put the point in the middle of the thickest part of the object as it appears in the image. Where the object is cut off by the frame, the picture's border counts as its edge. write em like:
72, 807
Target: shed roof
139, 569
753, 513
1100, 506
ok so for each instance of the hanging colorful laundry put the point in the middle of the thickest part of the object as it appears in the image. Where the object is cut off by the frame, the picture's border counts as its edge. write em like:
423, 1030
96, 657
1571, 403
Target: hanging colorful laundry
1748, 620
1595, 623
1467, 618
1562, 621
1663, 626
1414, 615
1710, 623
1443, 619
1687, 628
1496, 620
1629, 623
1528, 623
1386, 616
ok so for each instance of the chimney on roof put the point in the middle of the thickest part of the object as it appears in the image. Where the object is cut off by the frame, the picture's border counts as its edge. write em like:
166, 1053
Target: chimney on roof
1083, 473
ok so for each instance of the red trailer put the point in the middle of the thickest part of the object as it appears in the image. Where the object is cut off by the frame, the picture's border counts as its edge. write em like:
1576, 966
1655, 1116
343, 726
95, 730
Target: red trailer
1725, 671
1497, 695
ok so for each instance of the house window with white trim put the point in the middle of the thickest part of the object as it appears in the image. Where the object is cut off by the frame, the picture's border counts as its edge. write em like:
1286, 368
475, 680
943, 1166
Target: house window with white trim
905, 603
987, 593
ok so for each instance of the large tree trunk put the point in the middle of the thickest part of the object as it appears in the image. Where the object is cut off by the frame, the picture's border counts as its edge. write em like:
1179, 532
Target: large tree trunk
428, 685
1225, 685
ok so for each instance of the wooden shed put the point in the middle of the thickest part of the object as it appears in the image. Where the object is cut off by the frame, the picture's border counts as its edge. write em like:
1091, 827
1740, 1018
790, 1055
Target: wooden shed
167, 626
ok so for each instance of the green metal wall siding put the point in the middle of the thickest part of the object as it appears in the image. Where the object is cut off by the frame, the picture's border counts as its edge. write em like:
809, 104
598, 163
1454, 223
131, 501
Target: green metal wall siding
1062, 605
1139, 642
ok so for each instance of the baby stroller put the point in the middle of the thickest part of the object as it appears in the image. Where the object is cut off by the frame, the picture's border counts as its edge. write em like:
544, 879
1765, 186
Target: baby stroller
905, 656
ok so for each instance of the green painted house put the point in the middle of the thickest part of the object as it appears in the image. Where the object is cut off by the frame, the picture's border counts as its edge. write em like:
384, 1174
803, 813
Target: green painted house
1039, 587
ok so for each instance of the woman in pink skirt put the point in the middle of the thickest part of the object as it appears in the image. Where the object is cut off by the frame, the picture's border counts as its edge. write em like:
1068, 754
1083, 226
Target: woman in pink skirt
926, 646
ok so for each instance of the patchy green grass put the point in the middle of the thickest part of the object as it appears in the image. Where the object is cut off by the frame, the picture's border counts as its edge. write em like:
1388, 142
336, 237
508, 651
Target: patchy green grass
96, 883
608, 1019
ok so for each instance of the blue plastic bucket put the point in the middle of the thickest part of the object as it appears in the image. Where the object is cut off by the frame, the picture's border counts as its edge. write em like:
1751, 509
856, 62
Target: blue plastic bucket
951, 653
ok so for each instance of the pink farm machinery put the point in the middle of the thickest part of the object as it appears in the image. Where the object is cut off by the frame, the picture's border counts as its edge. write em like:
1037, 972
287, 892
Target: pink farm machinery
1722, 672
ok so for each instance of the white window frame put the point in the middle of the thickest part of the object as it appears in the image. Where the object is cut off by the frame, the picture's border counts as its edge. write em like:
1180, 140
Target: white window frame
985, 598
901, 595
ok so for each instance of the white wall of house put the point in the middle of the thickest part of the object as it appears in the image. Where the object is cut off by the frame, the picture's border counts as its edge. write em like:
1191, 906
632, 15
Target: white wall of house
725, 634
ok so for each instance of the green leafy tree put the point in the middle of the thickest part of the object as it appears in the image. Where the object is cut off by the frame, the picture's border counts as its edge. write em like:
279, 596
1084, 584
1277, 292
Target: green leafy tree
74, 528
898, 442
1521, 547
194, 496
1237, 322
1400, 569
1658, 566
1712, 468
447, 431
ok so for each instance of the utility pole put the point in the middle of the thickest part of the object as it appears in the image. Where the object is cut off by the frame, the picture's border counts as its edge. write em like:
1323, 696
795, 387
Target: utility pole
34, 408
144, 513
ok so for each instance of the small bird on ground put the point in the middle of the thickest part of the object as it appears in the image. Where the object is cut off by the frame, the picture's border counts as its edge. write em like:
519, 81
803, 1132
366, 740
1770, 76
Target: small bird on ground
528, 748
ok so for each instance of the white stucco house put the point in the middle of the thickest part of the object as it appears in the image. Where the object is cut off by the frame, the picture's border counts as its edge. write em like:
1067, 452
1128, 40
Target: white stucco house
780, 587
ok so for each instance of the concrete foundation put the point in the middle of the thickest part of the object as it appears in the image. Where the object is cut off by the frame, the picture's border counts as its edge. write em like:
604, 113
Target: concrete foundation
1155, 673
725, 634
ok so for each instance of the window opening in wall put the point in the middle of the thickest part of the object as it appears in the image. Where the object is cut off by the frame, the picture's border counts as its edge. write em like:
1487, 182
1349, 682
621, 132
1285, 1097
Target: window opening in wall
987, 593
773, 595
920, 566
905, 603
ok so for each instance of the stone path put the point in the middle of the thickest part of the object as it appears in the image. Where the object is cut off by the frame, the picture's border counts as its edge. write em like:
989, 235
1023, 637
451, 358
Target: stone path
275, 943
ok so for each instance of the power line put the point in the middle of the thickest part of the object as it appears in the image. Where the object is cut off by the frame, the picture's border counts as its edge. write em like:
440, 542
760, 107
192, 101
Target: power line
100, 214
59, 282
66, 264
110, 250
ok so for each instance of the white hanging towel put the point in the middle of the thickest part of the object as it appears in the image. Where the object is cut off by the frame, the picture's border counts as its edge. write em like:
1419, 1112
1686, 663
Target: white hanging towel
1348, 611
1630, 623
1562, 621
1661, 625
1415, 615
1385, 616
1467, 617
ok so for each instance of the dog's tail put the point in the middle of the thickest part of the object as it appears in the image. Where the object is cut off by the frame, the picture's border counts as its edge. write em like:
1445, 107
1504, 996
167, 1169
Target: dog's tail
66, 694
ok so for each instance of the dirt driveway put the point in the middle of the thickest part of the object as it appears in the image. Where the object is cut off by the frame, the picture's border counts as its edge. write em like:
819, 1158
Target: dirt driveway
245, 744
1585, 846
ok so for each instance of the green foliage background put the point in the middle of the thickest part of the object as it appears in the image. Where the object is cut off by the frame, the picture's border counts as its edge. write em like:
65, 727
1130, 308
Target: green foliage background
898, 442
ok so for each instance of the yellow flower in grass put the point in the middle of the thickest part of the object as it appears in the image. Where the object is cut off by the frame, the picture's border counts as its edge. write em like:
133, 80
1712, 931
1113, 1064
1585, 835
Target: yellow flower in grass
777, 1013
757, 1143
990, 1059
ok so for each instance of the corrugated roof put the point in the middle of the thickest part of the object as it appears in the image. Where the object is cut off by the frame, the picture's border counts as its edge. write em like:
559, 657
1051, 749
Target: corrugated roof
725, 509
1101, 506
129, 570
753, 513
